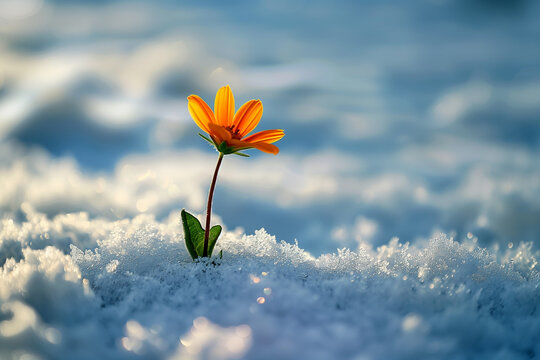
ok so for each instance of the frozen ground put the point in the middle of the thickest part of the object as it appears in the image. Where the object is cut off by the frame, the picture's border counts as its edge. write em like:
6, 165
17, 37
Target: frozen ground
77, 288
86, 276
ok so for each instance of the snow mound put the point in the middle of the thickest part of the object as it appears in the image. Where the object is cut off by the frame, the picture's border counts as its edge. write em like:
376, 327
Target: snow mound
129, 290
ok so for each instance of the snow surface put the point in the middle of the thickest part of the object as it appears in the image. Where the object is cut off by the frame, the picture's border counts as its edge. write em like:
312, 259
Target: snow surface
76, 288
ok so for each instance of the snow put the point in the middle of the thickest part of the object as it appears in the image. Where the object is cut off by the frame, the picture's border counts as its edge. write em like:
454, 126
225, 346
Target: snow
127, 289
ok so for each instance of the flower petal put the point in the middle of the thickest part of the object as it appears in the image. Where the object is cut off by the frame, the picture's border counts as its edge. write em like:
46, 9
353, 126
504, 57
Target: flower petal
266, 136
264, 147
224, 106
267, 148
200, 112
220, 133
248, 116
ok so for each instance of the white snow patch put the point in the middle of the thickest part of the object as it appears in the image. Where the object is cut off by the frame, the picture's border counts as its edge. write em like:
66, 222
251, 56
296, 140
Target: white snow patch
129, 290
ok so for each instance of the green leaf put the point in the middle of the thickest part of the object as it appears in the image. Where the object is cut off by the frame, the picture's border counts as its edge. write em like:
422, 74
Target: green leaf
212, 238
224, 148
208, 139
192, 232
194, 235
241, 154
215, 231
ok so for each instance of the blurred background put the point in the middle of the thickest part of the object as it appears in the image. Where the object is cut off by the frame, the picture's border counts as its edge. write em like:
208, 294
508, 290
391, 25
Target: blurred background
401, 118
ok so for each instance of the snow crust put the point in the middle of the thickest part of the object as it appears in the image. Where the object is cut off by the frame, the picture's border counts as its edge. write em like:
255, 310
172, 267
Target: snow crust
76, 288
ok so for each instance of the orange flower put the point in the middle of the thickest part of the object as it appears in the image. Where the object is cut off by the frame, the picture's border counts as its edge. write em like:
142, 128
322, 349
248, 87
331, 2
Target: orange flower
227, 129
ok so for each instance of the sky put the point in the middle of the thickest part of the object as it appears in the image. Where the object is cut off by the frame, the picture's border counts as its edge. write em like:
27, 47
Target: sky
401, 118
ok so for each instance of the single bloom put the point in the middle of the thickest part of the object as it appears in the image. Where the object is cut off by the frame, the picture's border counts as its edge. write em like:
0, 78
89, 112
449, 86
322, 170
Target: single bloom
229, 130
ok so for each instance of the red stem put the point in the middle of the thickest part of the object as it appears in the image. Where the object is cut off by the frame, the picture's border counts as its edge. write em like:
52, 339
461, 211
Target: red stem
209, 206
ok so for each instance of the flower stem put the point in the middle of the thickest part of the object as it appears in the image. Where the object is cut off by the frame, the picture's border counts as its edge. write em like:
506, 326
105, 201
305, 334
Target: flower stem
209, 206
